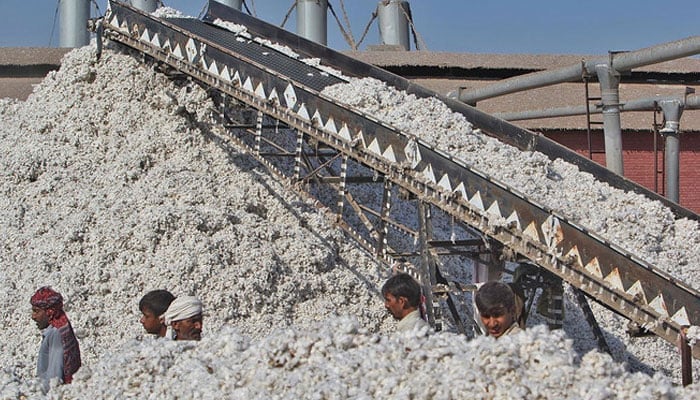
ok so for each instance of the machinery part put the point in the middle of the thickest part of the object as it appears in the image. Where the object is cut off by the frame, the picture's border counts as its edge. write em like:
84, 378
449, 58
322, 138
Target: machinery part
286, 89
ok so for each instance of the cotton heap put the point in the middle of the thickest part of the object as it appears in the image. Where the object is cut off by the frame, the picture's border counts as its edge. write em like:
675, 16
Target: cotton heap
138, 193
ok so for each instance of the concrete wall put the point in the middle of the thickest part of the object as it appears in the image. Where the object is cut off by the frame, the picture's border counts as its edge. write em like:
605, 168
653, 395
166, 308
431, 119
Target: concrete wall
23, 67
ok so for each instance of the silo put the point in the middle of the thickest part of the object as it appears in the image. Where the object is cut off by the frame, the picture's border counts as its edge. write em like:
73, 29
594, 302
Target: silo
146, 5
312, 20
394, 23
237, 4
74, 15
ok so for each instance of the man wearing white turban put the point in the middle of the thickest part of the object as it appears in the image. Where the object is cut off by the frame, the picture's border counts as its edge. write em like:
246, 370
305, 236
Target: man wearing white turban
184, 317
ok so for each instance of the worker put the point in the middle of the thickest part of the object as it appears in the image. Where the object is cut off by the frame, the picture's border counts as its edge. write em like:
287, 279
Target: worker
184, 317
152, 306
59, 353
495, 302
402, 299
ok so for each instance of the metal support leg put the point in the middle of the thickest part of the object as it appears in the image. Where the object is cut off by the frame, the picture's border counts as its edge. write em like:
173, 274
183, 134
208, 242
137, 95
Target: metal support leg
258, 131
686, 358
428, 267
384, 215
590, 318
298, 155
342, 187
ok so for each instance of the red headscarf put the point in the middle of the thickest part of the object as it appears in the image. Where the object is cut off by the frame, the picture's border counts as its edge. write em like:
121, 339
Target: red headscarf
52, 302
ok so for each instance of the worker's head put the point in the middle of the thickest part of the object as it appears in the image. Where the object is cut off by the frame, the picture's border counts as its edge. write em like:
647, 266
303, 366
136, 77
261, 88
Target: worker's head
185, 317
496, 304
152, 306
47, 307
401, 295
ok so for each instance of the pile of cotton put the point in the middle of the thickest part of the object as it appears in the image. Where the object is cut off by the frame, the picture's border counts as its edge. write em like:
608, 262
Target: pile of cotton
115, 181
338, 359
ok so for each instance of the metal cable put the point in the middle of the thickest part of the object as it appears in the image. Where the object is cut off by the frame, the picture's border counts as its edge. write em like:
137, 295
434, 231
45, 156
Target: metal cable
418, 40
348, 37
289, 12
347, 23
55, 17
364, 34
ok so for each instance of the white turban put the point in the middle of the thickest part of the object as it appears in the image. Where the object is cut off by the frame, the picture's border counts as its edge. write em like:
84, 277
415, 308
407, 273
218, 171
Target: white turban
181, 308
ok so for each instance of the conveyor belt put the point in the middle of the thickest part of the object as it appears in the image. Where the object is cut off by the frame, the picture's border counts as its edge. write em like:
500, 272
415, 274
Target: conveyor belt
285, 89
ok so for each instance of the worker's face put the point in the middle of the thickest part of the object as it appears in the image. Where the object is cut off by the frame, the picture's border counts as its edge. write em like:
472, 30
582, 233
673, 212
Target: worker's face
395, 305
188, 329
497, 321
40, 316
151, 323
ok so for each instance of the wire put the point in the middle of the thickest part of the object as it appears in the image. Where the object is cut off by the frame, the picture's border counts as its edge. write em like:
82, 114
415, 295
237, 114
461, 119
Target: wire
418, 40
97, 8
346, 19
286, 17
55, 17
364, 34
348, 36
252, 4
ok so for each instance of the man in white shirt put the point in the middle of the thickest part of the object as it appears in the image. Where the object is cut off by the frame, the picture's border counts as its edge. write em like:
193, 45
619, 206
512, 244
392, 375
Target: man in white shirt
402, 299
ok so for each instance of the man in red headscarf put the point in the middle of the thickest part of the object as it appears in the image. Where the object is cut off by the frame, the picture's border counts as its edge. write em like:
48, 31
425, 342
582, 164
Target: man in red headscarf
59, 354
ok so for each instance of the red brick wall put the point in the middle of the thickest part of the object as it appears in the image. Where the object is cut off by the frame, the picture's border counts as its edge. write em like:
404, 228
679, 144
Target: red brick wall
638, 160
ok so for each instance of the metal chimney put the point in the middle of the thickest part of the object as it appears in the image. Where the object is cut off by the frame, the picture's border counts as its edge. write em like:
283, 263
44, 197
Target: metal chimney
74, 15
237, 4
394, 23
148, 6
312, 20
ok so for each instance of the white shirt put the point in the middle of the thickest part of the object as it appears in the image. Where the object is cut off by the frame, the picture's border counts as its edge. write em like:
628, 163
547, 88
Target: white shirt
49, 364
410, 322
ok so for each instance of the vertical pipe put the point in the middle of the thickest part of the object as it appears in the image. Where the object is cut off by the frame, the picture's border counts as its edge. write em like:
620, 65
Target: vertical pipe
148, 6
237, 4
393, 23
672, 110
74, 15
312, 20
610, 95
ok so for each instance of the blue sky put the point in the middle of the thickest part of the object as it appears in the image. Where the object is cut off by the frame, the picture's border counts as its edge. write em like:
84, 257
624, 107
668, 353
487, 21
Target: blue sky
493, 26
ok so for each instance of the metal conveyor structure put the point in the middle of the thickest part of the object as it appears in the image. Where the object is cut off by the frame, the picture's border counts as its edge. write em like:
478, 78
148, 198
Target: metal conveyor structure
327, 150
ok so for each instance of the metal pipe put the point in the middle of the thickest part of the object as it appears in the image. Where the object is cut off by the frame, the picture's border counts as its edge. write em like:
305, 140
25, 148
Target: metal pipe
74, 16
148, 6
647, 104
610, 94
393, 23
312, 20
619, 61
237, 4
672, 110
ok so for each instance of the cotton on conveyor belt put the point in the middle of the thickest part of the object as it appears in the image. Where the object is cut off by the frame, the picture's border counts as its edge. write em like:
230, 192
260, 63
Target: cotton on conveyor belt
115, 182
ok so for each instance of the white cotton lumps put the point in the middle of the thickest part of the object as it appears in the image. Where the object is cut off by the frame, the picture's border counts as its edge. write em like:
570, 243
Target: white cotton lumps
645, 228
115, 182
642, 226
339, 359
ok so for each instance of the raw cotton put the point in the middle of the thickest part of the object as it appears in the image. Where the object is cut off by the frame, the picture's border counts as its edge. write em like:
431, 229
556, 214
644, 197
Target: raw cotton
116, 181
642, 226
